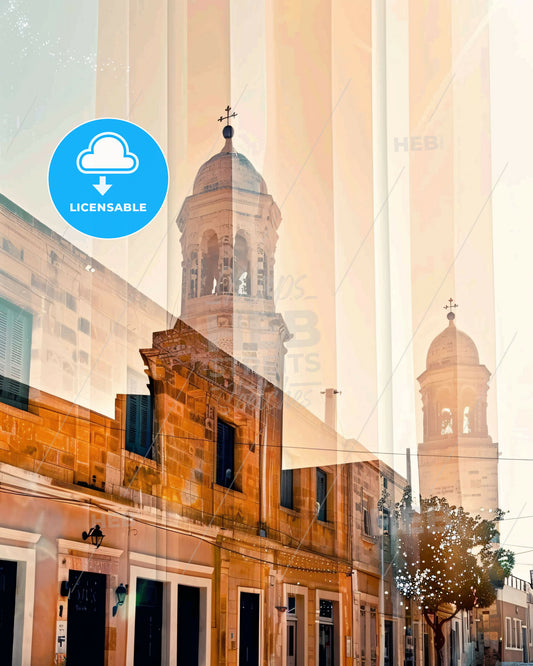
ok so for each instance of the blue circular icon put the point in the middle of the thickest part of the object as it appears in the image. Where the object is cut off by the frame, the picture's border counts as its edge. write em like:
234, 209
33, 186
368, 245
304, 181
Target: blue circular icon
108, 178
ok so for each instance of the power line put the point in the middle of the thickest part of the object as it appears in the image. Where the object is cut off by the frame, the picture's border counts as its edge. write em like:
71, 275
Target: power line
166, 528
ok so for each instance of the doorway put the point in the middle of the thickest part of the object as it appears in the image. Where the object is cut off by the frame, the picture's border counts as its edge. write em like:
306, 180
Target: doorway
325, 645
86, 618
292, 642
188, 625
148, 622
326, 633
249, 629
8, 589
388, 659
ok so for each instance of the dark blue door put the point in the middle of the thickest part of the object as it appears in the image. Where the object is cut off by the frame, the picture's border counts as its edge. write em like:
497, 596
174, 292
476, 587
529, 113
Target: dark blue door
8, 585
188, 625
148, 622
249, 629
86, 619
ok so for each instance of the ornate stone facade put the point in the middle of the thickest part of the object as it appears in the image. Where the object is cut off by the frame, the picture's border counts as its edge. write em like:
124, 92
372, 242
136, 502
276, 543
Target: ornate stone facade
457, 459
229, 233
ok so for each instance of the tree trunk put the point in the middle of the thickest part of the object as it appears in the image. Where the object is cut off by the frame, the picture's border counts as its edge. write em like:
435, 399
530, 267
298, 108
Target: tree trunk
438, 634
439, 641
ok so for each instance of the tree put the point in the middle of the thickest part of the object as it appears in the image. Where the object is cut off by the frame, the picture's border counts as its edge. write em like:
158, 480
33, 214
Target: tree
447, 561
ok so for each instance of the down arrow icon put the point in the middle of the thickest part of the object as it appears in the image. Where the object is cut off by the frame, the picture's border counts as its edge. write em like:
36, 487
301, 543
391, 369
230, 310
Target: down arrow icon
102, 186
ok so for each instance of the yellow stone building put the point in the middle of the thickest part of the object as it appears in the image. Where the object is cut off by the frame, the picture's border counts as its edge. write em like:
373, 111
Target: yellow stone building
162, 528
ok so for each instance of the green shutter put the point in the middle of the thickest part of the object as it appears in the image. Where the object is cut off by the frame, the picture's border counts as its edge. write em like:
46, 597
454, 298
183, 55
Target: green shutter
139, 425
15, 354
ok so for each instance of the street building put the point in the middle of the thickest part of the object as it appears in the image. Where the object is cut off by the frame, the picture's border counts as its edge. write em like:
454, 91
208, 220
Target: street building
155, 517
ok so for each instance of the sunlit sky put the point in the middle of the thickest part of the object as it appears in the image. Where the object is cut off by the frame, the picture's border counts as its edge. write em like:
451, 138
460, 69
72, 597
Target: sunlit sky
301, 79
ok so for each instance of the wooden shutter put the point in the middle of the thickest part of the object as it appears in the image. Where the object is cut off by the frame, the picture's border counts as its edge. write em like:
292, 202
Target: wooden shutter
321, 491
138, 436
287, 488
225, 473
15, 354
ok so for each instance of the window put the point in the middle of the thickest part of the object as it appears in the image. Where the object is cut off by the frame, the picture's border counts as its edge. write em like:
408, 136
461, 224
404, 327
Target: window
321, 494
68, 334
326, 608
139, 418
508, 633
513, 633
386, 521
291, 605
367, 524
262, 274
15, 352
210, 265
193, 275
70, 301
241, 267
517, 634
287, 479
84, 325
225, 473
466, 421
8, 246
446, 422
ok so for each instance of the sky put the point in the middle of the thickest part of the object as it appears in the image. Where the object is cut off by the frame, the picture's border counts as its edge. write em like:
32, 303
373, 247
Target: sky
369, 230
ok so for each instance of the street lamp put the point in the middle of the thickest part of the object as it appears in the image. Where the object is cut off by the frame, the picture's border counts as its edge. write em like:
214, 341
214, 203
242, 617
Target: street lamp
121, 592
95, 534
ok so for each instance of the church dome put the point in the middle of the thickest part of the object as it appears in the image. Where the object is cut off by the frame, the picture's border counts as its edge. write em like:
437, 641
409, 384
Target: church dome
228, 168
451, 347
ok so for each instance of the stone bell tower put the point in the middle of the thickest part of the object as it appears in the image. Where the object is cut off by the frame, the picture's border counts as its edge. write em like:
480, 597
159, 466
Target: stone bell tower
457, 459
228, 237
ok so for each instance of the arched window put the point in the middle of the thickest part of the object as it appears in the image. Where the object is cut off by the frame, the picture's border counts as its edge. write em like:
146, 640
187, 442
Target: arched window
210, 275
467, 428
262, 274
226, 280
193, 275
241, 267
446, 421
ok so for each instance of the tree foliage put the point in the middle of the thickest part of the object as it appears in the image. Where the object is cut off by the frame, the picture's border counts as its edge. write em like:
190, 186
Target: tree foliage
447, 560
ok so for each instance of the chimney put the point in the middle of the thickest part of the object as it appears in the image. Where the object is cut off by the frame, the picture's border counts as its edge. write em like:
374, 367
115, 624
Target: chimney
330, 417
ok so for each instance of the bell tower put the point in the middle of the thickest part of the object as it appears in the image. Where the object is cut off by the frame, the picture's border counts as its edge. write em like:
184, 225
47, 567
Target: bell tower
457, 459
228, 237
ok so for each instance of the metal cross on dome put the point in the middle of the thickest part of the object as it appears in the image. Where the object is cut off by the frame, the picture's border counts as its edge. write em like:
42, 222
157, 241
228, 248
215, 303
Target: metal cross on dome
449, 307
227, 116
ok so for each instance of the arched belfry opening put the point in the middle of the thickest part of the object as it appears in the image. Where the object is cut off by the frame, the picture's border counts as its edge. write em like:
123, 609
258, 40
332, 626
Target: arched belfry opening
193, 274
262, 274
241, 266
469, 406
210, 257
446, 421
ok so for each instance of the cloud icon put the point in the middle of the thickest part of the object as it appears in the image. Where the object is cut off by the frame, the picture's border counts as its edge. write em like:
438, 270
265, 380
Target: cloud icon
107, 153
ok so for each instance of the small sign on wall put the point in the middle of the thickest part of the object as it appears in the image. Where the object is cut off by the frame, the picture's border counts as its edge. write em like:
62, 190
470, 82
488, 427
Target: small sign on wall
61, 638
